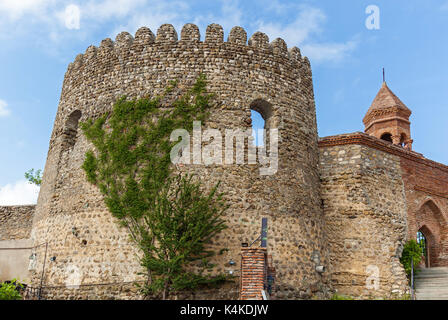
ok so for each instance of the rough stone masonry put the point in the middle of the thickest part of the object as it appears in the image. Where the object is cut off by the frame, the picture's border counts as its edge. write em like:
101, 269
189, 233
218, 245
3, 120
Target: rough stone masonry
346, 203
245, 76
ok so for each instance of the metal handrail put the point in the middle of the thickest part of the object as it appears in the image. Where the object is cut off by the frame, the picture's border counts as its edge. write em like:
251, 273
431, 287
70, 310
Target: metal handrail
412, 280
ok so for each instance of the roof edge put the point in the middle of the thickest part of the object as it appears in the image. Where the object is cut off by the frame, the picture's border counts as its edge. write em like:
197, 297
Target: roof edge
361, 138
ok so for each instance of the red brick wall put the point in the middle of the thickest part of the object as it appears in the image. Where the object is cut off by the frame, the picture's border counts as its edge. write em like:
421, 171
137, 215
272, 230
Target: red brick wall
426, 185
253, 273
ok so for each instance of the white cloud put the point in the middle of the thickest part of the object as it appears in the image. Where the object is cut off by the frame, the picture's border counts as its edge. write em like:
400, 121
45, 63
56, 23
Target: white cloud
277, 6
298, 24
19, 193
152, 16
152, 20
108, 9
72, 17
307, 22
134, 14
324, 52
15, 9
229, 16
231, 12
4, 111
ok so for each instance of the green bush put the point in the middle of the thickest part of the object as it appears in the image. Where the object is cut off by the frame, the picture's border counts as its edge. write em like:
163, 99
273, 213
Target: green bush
9, 291
340, 297
411, 250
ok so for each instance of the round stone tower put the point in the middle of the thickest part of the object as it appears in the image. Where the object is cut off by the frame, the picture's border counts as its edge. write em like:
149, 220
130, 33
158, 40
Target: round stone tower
90, 256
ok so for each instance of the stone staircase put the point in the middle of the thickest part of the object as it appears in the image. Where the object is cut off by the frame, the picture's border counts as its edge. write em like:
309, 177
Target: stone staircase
432, 284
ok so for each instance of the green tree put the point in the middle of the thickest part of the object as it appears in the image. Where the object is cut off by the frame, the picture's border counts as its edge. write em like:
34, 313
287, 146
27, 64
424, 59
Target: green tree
34, 177
169, 216
9, 290
411, 251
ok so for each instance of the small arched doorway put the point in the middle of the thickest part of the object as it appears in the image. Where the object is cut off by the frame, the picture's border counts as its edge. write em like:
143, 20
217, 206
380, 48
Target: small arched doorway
429, 243
421, 240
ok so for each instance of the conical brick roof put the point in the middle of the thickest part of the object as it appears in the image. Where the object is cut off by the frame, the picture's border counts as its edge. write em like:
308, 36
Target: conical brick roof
386, 99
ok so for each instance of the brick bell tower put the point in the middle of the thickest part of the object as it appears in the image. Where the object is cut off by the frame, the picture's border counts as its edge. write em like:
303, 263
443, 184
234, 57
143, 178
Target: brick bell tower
388, 119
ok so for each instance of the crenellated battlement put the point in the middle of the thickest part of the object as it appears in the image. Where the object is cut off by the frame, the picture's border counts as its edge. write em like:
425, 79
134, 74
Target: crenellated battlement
143, 64
167, 35
244, 74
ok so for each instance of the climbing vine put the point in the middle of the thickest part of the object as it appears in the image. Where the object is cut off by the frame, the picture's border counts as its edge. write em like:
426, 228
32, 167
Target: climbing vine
412, 254
168, 215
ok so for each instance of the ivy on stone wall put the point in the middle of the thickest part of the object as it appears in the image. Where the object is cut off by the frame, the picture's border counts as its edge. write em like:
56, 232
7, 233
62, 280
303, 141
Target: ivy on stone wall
167, 214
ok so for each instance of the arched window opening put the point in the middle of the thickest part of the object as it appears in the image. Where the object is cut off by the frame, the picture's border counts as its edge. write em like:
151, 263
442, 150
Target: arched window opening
258, 124
387, 137
71, 130
261, 116
403, 139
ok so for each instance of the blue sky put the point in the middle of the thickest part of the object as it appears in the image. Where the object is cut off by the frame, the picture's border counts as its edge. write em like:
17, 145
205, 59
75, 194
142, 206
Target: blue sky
39, 38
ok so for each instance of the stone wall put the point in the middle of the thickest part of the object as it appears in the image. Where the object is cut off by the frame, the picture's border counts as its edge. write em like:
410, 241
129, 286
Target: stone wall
245, 75
126, 291
14, 258
365, 215
15, 243
426, 187
16, 222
